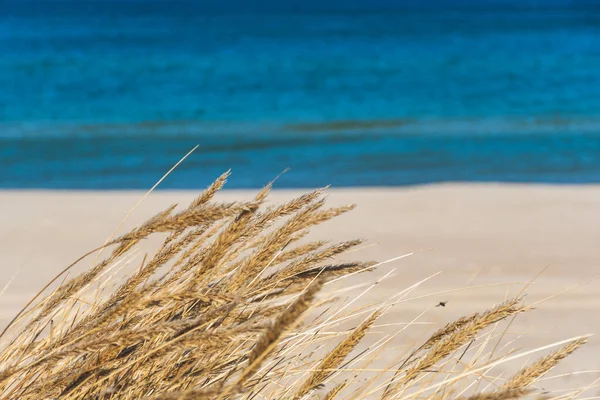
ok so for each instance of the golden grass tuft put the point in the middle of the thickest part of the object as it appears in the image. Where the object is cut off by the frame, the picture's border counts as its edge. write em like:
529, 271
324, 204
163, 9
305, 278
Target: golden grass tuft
335, 357
531, 373
232, 306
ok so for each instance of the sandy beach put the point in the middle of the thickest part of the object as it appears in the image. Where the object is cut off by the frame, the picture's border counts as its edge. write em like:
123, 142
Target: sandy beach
485, 241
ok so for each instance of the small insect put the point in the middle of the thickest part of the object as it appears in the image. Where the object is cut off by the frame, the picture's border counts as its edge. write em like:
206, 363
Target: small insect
442, 304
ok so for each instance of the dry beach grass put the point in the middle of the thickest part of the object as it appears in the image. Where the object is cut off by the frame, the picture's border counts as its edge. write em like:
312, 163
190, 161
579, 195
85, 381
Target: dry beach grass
235, 303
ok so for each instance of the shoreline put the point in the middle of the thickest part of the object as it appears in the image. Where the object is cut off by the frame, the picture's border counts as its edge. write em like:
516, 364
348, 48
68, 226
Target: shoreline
296, 190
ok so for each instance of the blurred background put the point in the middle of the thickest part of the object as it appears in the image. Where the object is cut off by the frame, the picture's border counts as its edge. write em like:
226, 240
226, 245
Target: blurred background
101, 94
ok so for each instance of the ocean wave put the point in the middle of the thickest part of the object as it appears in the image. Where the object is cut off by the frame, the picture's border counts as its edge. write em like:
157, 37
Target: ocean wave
275, 130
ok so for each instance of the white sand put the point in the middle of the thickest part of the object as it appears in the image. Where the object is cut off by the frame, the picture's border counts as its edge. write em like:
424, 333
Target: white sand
495, 235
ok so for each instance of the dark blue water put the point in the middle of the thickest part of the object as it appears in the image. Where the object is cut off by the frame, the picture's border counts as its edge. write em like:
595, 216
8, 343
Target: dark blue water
99, 94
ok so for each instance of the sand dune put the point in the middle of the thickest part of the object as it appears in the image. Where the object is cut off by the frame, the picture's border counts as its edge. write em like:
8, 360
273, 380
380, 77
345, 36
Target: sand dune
486, 240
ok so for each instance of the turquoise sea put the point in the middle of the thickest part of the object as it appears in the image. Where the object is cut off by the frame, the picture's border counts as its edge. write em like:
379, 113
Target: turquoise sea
109, 95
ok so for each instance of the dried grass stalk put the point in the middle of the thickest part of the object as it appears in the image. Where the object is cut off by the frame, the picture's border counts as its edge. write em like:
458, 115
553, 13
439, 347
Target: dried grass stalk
211, 315
335, 357
531, 373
